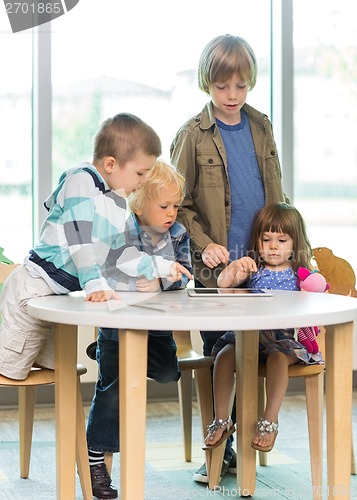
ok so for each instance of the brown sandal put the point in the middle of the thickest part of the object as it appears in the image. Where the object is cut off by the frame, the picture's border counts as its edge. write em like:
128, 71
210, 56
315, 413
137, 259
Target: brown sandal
263, 427
219, 424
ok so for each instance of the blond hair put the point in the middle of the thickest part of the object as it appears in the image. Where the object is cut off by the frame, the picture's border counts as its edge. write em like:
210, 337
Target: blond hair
160, 176
224, 57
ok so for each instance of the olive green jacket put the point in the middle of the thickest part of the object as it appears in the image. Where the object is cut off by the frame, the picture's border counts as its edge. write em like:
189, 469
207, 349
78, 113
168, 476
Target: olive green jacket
198, 153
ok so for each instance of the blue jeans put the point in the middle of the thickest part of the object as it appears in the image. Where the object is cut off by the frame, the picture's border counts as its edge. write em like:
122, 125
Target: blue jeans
209, 339
103, 420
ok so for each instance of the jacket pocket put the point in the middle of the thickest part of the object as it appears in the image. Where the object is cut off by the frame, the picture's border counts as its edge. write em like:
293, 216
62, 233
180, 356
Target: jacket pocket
211, 171
272, 165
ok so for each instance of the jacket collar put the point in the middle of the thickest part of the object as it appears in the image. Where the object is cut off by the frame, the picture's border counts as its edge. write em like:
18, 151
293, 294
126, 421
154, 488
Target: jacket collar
208, 119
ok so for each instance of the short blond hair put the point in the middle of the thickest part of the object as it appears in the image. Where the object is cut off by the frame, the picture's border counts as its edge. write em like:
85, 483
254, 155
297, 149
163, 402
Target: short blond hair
160, 176
222, 58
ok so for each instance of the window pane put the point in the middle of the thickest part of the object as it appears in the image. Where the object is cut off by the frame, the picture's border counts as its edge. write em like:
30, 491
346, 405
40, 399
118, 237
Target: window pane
16, 145
326, 121
140, 57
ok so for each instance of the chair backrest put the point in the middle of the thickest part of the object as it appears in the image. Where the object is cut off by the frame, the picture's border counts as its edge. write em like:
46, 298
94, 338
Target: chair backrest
188, 358
5, 271
337, 272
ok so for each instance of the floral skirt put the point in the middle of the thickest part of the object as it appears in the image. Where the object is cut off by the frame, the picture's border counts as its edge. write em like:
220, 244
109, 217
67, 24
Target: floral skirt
282, 340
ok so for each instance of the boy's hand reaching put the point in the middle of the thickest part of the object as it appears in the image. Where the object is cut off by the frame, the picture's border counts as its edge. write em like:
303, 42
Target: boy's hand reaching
102, 296
145, 285
176, 272
214, 254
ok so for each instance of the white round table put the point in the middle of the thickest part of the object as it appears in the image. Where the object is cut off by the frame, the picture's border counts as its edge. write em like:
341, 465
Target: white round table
137, 312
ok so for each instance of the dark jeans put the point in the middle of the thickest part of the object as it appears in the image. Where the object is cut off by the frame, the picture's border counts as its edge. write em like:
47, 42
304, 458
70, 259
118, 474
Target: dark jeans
209, 339
103, 420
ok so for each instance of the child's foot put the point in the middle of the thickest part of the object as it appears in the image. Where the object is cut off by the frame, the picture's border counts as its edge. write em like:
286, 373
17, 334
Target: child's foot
265, 436
101, 482
218, 431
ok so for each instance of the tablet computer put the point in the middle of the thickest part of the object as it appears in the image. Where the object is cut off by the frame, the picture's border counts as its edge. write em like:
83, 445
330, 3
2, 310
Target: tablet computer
228, 292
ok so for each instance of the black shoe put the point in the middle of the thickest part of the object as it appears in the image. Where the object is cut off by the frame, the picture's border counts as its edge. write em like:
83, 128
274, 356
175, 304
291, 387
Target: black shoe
91, 350
232, 469
101, 482
200, 476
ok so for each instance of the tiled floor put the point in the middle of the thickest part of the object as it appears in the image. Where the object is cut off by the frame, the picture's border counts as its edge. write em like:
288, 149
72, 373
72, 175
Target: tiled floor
286, 476
167, 475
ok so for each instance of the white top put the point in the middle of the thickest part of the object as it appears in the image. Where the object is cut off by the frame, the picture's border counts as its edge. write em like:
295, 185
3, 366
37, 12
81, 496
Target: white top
176, 311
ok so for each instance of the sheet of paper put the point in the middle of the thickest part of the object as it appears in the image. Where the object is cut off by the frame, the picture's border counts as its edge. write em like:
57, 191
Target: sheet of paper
182, 306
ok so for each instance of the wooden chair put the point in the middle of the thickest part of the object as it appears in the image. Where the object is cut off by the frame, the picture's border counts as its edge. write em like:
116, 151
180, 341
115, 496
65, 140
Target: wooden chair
26, 401
342, 280
191, 363
314, 391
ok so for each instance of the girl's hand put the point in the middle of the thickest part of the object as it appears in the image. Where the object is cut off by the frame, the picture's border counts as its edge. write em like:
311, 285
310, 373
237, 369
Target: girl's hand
145, 285
215, 254
245, 265
176, 272
102, 296
237, 272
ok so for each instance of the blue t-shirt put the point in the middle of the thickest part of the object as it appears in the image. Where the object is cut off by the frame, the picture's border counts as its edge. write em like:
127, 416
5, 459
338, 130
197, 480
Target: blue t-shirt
246, 185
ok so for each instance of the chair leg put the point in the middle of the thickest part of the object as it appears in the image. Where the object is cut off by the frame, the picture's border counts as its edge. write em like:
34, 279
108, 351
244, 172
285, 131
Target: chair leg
203, 381
314, 386
108, 460
263, 456
82, 448
214, 457
27, 396
216, 460
185, 400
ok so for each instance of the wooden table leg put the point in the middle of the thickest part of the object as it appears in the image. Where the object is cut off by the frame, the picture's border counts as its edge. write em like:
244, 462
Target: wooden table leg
65, 409
132, 401
247, 406
339, 409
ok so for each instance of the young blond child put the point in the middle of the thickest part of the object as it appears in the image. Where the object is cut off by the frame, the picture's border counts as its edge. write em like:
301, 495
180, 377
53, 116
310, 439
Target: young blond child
152, 228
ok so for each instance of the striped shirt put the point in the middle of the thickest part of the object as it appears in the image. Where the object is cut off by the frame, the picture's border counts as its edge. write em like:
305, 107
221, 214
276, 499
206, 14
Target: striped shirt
86, 220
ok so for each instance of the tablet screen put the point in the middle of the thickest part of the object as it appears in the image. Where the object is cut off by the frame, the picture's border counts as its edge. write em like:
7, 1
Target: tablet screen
228, 292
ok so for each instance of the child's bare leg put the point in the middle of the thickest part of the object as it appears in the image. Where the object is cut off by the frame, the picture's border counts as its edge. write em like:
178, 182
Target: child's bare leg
223, 383
277, 380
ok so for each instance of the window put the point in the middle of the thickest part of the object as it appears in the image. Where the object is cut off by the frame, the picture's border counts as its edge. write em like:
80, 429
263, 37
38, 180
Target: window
16, 143
325, 122
140, 57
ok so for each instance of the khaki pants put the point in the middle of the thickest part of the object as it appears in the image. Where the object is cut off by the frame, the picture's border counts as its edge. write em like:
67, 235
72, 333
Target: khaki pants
24, 340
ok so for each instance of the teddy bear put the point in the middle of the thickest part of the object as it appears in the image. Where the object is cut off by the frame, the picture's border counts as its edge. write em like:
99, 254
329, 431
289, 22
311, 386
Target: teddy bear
310, 281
